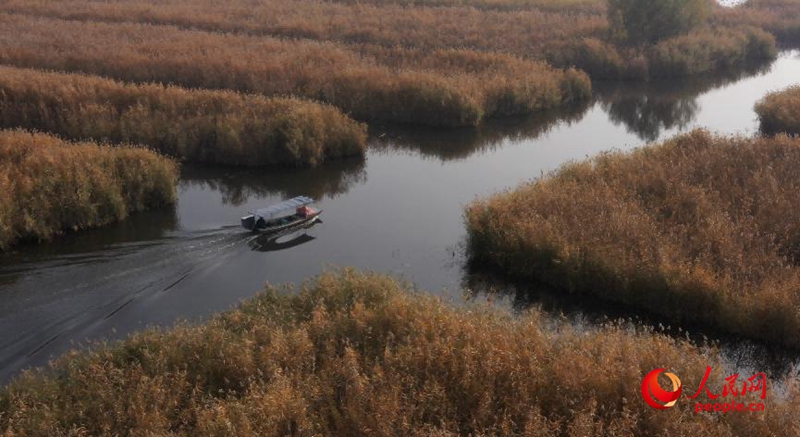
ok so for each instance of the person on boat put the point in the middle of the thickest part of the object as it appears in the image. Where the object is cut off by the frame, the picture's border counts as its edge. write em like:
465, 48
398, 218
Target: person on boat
304, 211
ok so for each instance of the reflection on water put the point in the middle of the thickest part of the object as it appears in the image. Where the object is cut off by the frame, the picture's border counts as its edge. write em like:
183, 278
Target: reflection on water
86, 248
461, 143
586, 312
237, 186
287, 240
647, 109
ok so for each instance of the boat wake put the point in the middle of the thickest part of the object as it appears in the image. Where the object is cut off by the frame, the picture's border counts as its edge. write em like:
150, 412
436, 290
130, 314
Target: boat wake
48, 306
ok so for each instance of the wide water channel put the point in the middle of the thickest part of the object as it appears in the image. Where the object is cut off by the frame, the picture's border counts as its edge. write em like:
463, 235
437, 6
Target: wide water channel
398, 212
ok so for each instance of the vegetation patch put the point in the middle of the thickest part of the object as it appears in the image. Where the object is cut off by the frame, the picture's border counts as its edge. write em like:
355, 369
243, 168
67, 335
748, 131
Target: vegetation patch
710, 50
443, 87
418, 25
607, 39
357, 354
779, 112
220, 127
48, 186
778, 17
700, 229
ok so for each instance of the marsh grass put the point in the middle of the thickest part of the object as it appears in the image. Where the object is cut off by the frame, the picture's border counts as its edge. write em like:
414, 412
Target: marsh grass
779, 17
443, 87
419, 25
563, 33
516, 5
710, 49
48, 186
700, 229
779, 112
219, 127
356, 354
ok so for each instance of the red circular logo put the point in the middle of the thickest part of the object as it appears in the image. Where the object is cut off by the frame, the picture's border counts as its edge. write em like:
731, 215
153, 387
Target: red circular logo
657, 397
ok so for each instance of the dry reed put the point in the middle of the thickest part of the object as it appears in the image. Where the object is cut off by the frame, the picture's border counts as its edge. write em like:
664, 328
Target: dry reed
519, 32
220, 127
709, 50
779, 112
779, 17
701, 229
356, 354
563, 33
446, 87
48, 186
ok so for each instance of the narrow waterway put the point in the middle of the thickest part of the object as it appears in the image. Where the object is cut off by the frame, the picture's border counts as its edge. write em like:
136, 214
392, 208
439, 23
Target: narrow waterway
397, 212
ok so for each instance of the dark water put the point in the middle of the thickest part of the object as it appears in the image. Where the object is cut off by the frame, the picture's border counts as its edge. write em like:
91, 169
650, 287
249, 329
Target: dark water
398, 212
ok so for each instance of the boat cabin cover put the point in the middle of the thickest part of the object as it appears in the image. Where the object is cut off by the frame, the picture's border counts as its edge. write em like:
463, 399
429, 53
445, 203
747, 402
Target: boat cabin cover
279, 209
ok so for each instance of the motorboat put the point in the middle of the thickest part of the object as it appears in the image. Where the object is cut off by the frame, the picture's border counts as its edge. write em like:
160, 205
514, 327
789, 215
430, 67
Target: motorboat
282, 217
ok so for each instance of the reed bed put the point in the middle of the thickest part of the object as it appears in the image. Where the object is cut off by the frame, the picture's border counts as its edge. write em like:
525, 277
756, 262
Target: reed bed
49, 186
574, 34
779, 112
705, 50
700, 229
711, 49
219, 127
779, 17
357, 354
447, 87
520, 32
597, 6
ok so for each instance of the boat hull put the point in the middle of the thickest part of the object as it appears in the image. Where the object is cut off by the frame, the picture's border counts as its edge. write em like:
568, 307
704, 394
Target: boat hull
249, 222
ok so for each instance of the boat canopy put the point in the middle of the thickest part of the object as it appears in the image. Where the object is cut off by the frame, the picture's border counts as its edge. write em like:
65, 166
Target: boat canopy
276, 210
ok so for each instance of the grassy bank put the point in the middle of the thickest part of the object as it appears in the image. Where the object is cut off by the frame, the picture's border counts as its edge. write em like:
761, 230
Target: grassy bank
219, 127
779, 112
447, 87
563, 33
48, 186
355, 354
700, 229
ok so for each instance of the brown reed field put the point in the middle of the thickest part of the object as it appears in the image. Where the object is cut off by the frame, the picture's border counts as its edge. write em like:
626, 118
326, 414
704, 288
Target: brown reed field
710, 50
700, 229
49, 186
563, 33
447, 87
360, 354
704, 50
522, 32
779, 112
558, 5
219, 127
779, 17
